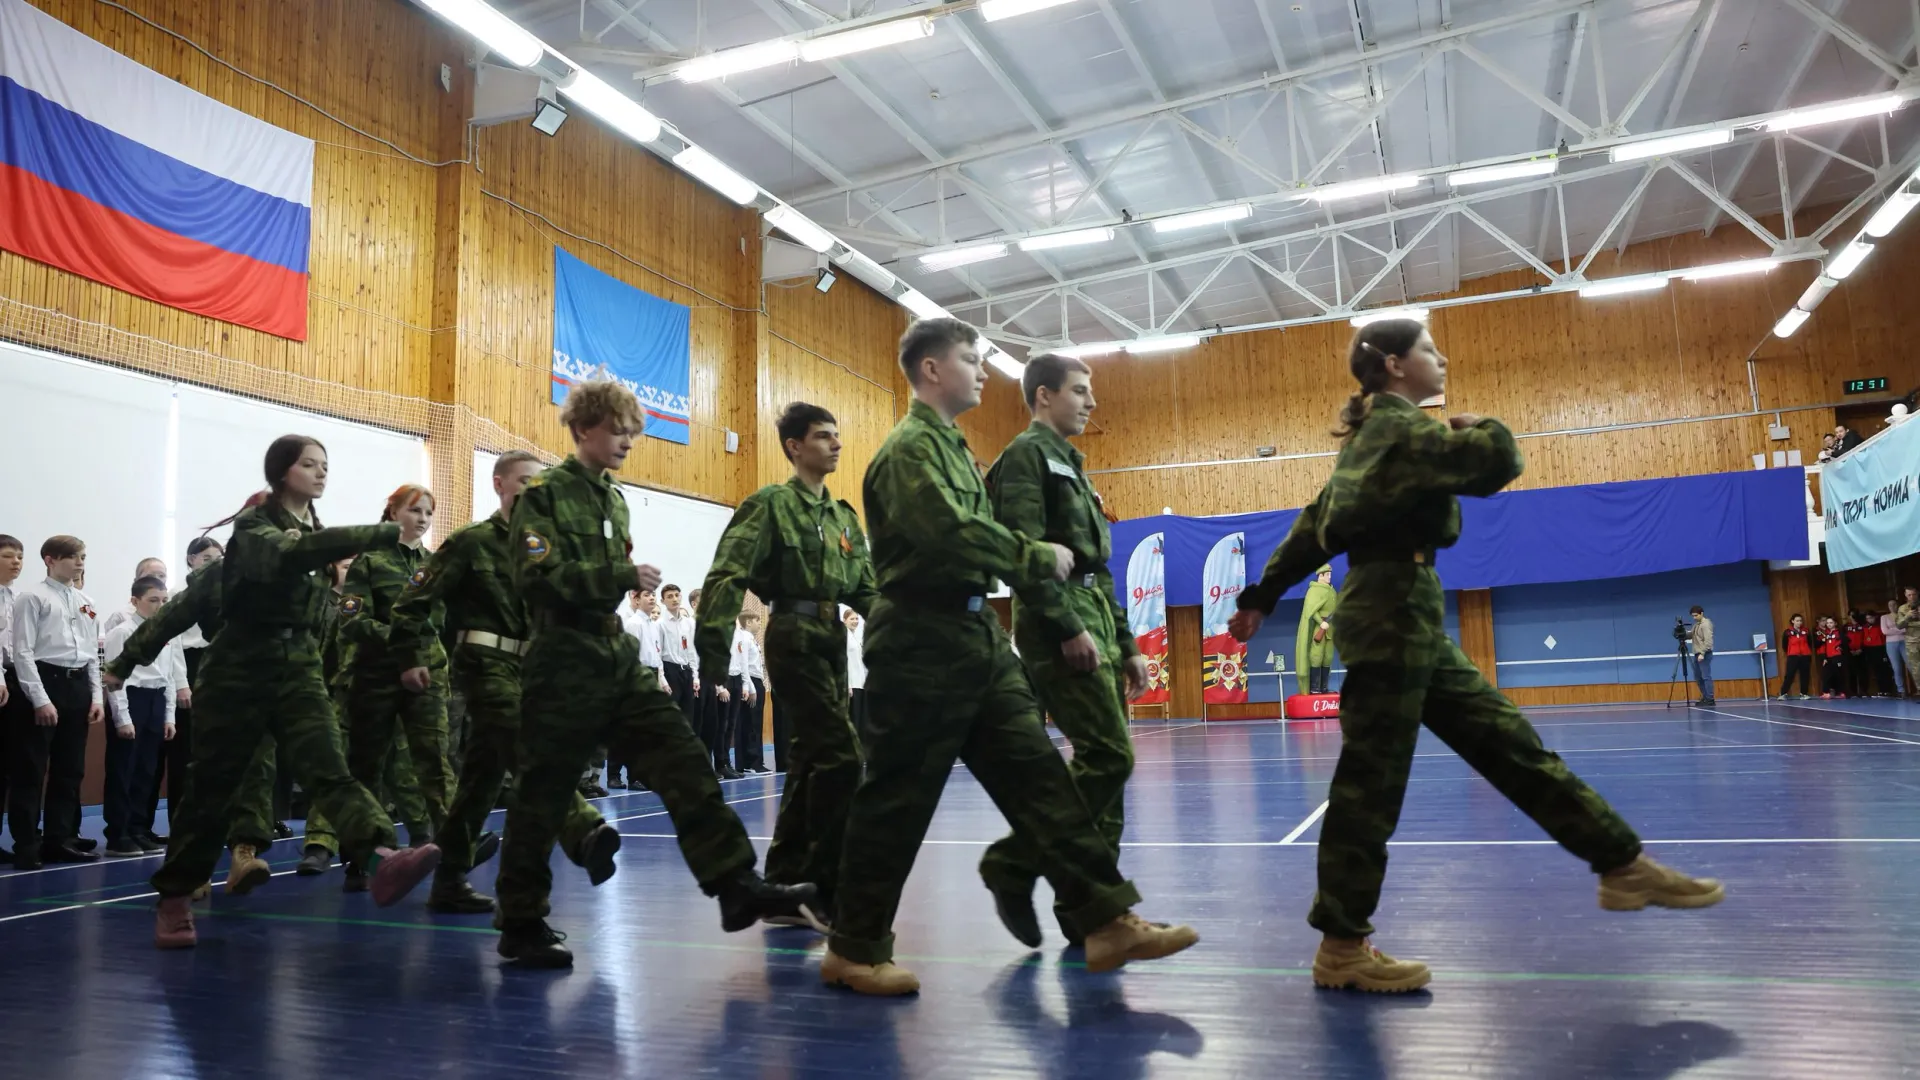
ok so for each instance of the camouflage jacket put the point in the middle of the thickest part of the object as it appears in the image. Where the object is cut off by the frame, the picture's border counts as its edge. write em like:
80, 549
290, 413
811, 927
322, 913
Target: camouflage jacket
273, 573
784, 543
572, 558
1393, 488
1040, 488
373, 588
932, 524
197, 604
466, 585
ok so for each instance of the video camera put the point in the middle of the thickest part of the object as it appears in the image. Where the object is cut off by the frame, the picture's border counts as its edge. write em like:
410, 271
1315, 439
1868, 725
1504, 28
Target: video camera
1681, 631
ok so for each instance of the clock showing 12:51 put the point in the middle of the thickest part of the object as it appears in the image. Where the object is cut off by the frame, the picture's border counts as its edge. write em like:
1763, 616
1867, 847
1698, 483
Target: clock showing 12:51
1867, 386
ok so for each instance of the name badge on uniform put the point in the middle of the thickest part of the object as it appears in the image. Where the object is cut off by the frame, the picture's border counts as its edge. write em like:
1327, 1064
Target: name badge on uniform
606, 528
1059, 469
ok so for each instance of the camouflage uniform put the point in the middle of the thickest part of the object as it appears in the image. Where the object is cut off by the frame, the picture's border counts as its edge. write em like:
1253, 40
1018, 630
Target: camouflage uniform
1312, 659
470, 580
262, 677
397, 790
582, 687
1907, 618
942, 684
805, 555
1389, 504
377, 705
1040, 489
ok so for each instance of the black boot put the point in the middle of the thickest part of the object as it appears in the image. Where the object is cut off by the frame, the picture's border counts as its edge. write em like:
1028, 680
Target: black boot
534, 944
316, 861
746, 898
356, 878
1015, 907
485, 846
597, 852
453, 895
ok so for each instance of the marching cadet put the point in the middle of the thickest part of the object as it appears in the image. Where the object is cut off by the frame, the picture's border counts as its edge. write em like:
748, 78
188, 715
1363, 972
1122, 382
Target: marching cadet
1073, 636
802, 550
1390, 504
582, 687
470, 578
377, 704
943, 684
262, 676
1906, 618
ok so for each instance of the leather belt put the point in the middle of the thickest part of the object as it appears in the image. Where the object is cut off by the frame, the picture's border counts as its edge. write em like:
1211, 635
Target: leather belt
55, 671
494, 641
1371, 556
939, 601
604, 624
824, 610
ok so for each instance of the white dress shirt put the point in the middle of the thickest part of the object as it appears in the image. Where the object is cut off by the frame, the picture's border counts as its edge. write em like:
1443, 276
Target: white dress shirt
740, 664
756, 660
162, 674
640, 625
6, 624
856, 657
54, 624
676, 641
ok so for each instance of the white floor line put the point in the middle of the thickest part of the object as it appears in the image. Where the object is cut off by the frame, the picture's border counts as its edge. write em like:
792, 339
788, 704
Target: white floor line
1167, 730
1812, 727
663, 813
1406, 843
1318, 812
113, 900
1142, 765
109, 860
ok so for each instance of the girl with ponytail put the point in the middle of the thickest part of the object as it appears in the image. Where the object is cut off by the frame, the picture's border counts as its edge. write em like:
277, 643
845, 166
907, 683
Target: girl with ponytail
1390, 504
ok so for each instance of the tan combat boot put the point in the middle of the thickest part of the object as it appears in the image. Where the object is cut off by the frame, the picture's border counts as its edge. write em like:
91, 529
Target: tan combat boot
1131, 937
880, 980
1357, 965
1643, 882
248, 872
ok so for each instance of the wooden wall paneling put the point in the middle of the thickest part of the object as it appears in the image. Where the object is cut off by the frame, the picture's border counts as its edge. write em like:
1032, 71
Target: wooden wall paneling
1620, 693
1183, 660
835, 350
1476, 631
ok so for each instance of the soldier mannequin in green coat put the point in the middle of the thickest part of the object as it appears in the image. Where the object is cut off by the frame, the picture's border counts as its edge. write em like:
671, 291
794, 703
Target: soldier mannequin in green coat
1313, 646
1390, 503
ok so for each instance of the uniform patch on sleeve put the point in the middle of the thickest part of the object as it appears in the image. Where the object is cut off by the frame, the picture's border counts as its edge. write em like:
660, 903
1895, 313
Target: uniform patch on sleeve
349, 605
536, 546
419, 578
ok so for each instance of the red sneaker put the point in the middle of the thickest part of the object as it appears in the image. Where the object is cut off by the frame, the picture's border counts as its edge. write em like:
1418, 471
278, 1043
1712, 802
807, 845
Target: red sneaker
173, 923
400, 871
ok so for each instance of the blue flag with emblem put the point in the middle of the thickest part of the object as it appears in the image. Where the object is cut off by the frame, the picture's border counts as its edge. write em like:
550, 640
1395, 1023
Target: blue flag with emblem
606, 328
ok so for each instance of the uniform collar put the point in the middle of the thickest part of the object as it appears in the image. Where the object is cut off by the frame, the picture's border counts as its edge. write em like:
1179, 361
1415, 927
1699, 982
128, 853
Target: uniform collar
924, 413
800, 488
498, 520
1394, 403
574, 465
1056, 441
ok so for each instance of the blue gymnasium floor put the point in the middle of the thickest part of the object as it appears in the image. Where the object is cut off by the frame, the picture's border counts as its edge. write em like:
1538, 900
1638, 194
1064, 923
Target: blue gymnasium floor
1810, 812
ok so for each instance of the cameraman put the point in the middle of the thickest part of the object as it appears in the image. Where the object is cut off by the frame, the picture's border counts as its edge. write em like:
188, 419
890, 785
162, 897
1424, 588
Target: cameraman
1702, 638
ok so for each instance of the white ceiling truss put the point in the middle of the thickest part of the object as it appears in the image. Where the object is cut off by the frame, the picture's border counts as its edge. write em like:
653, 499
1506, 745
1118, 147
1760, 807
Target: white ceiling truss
1119, 113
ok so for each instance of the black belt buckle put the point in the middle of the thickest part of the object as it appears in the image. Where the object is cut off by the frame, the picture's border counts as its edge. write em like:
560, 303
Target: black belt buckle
59, 672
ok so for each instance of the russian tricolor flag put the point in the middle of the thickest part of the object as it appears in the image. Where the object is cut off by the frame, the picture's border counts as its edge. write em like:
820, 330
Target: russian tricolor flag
114, 172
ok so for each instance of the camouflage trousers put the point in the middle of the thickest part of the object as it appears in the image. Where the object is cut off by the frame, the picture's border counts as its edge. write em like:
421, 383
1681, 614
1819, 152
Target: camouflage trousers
379, 712
257, 685
581, 691
944, 686
489, 680
1403, 671
253, 816
807, 663
1090, 709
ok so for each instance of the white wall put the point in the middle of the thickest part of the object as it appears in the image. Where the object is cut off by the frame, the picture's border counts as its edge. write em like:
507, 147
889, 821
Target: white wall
676, 534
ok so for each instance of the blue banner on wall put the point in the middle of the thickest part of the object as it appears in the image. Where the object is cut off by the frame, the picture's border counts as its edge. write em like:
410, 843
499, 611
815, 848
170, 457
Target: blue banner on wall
1868, 498
606, 328
1533, 537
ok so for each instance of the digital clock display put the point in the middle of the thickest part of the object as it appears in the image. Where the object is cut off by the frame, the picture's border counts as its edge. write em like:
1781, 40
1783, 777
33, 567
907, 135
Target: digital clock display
1866, 386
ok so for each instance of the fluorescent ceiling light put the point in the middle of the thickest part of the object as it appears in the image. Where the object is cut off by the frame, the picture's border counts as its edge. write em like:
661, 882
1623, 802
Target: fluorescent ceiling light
1066, 239
1816, 292
727, 62
800, 227
714, 173
1849, 260
870, 37
998, 360
1673, 144
1729, 269
1161, 344
1827, 114
958, 257
1885, 219
1081, 352
1418, 314
877, 277
1789, 323
1624, 285
501, 35
1353, 189
995, 10
621, 113
1517, 171
1216, 216
921, 305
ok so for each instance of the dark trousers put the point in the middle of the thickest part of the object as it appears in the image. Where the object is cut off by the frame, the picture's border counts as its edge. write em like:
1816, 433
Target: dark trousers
680, 687
856, 711
782, 734
134, 764
1798, 667
13, 713
50, 760
1857, 678
1317, 679
714, 728
749, 722
1833, 675
176, 755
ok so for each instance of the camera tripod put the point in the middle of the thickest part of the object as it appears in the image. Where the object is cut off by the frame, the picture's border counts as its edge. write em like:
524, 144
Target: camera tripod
1680, 678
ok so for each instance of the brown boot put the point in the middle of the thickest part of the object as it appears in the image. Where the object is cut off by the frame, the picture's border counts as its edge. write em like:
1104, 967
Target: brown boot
880, 980
1131, 937
248, 872
173, 923
1643, 882
1357, 965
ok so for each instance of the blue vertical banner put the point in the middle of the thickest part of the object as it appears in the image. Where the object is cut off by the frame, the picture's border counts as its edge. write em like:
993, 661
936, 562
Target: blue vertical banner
606, 328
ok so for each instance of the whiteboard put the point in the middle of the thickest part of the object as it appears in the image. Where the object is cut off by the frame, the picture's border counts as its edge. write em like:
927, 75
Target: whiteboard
485, 502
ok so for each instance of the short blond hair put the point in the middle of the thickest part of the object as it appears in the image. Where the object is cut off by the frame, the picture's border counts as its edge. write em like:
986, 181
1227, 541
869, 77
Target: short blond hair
591, 403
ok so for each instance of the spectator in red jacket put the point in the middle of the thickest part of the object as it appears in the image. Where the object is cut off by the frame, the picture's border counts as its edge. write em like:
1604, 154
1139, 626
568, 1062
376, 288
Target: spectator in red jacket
1858, 673
1796, 646
1874, 654
1830, 645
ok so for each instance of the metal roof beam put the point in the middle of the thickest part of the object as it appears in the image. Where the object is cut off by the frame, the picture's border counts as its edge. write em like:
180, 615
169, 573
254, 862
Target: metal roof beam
1700, 28
1851, 38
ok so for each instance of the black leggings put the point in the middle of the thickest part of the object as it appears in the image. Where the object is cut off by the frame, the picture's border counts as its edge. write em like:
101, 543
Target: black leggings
1833, 675
1798, 667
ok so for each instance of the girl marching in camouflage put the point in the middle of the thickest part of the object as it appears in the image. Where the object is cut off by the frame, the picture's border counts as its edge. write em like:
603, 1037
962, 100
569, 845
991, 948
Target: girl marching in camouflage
1390, 504
262, 676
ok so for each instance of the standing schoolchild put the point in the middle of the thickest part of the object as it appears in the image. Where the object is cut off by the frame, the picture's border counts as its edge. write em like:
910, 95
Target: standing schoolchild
856, 676
14, 711
142, 711
56, 658
1796, 645
1830, 645
1873, 649
1391, 502
746, 685
1859, 674
711, 707
677, 654
178, 752
262, 676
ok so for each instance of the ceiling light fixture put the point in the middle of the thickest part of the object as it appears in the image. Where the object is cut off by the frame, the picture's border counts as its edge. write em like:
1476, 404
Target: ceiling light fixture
501, 35
1789, 323
1066, 239
995, 10
958, 257
1354, 189
727, 62
898, 32
1624, 285
1517, 171
1672, 144
1217, 216
1729, 269
1418, 314
921, 305
1827, 114
1081, 352
1888, 217
621, 113
548, 115
1816, 292
876, 277
1149, 345
1849, 260
715, 173
800, 227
